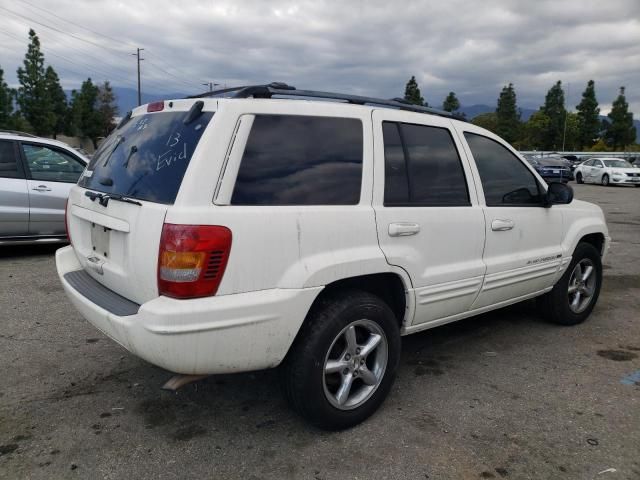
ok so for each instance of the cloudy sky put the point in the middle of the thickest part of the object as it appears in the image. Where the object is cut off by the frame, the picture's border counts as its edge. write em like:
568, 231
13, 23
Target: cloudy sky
362, 47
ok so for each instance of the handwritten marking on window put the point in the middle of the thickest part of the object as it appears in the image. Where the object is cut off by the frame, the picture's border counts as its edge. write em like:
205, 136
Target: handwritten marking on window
142, 124
170, 157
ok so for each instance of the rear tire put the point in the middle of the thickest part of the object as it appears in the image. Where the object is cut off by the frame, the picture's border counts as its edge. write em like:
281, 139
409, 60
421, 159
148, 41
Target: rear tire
575, 295
605, 180
579, 178
334, 376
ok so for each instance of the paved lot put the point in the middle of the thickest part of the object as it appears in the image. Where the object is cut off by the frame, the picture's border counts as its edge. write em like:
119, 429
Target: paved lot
503, 395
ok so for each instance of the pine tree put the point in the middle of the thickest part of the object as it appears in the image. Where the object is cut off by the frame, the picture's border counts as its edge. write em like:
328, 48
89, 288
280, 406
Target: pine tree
412, 92
107, 108
588, 117
486, 120
58, 100
6, 103
33, 98
507, 115
86, 117
554, 109
620, 130
451, 103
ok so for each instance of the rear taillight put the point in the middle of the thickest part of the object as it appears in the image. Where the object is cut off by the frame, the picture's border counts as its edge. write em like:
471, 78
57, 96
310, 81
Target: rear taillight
192, 259
66, 220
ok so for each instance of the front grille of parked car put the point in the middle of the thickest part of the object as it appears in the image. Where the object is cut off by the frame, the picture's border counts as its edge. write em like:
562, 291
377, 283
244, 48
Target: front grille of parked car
213, 267
633, 174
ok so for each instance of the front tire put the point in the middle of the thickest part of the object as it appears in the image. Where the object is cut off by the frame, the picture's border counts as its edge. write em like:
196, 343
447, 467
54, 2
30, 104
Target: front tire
343, 361
605, 180
579, 178
575, 295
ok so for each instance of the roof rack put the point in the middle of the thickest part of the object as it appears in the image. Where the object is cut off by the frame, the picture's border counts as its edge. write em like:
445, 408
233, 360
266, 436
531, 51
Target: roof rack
16, 132
280, 89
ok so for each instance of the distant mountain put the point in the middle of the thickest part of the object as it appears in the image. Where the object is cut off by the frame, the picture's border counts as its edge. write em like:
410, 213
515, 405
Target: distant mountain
475, 110
127, 98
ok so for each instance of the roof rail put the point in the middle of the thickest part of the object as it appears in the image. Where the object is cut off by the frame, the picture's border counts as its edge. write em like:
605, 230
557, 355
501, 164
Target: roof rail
18, 133
283, 90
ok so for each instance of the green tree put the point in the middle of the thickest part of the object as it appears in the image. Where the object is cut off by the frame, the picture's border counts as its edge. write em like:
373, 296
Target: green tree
554, 109
33, 97
86, 119
534, 132
588, 117
451, 103
507, 115
486, 120
58, 100
6, 103
412, 92
106, 108
620, 131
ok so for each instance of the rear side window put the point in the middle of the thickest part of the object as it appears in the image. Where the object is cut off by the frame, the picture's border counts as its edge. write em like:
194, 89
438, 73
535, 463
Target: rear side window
50, 164
9, 166
505, 179
422, 167
147, 157
301, 160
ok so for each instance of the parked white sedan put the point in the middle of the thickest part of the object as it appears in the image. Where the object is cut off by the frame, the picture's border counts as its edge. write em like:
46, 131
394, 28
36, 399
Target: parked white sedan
607, 171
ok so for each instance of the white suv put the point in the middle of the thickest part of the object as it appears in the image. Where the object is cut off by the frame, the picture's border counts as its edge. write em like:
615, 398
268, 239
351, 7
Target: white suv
243, 231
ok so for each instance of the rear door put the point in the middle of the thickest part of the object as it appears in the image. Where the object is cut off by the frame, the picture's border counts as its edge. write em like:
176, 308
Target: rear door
523, 239
51, 172
428, 218
14, 197
117, 212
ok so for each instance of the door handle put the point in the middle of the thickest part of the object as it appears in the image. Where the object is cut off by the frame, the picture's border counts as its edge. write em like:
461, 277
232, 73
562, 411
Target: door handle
41, 188
403, 229
501, 225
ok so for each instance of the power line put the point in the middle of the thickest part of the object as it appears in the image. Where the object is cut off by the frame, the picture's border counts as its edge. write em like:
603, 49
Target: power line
77, 24
61, 31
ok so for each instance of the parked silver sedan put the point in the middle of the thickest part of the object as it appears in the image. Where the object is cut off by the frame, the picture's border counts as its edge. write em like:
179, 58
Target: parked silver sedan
36, 175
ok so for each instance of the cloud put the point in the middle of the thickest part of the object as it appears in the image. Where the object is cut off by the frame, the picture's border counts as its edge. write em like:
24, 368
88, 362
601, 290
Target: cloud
472, 48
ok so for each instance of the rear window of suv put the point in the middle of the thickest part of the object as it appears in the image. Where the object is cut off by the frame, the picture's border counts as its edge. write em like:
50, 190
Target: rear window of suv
147, 157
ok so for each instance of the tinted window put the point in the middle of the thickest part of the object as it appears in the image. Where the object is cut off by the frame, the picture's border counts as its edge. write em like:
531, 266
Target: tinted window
396, 181
301, 160
422, 167
588, 163
147, 157
9, 167
505, 179
50, 164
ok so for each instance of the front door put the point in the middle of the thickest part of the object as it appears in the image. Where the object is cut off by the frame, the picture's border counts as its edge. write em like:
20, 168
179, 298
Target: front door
14, 199
428, 218
51, 174
523, 238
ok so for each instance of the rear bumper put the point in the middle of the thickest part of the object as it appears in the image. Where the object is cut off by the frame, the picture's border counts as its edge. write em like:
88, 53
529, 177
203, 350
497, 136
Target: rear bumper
225, 334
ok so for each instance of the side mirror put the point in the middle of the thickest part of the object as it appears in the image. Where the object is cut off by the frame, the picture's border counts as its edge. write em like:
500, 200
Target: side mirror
558, 194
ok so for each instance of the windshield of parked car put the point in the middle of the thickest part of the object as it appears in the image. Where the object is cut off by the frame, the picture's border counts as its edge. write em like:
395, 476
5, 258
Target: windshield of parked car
147, 157
616, 163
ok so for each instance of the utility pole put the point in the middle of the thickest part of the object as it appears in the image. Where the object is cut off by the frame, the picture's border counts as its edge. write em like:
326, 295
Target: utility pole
137, 54
566, 114
212, 86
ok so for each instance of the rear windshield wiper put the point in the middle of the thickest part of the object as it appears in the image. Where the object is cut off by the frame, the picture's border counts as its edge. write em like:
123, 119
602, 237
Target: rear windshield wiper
103, 198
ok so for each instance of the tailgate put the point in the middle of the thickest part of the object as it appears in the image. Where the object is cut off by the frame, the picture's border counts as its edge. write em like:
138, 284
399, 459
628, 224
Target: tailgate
117, 244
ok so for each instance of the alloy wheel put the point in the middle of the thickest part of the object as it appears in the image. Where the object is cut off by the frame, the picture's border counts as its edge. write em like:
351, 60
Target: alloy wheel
355, 364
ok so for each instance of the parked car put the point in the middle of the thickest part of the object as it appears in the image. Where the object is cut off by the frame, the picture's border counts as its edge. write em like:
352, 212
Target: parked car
311, 235
608, 171
552, 168
36, 175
